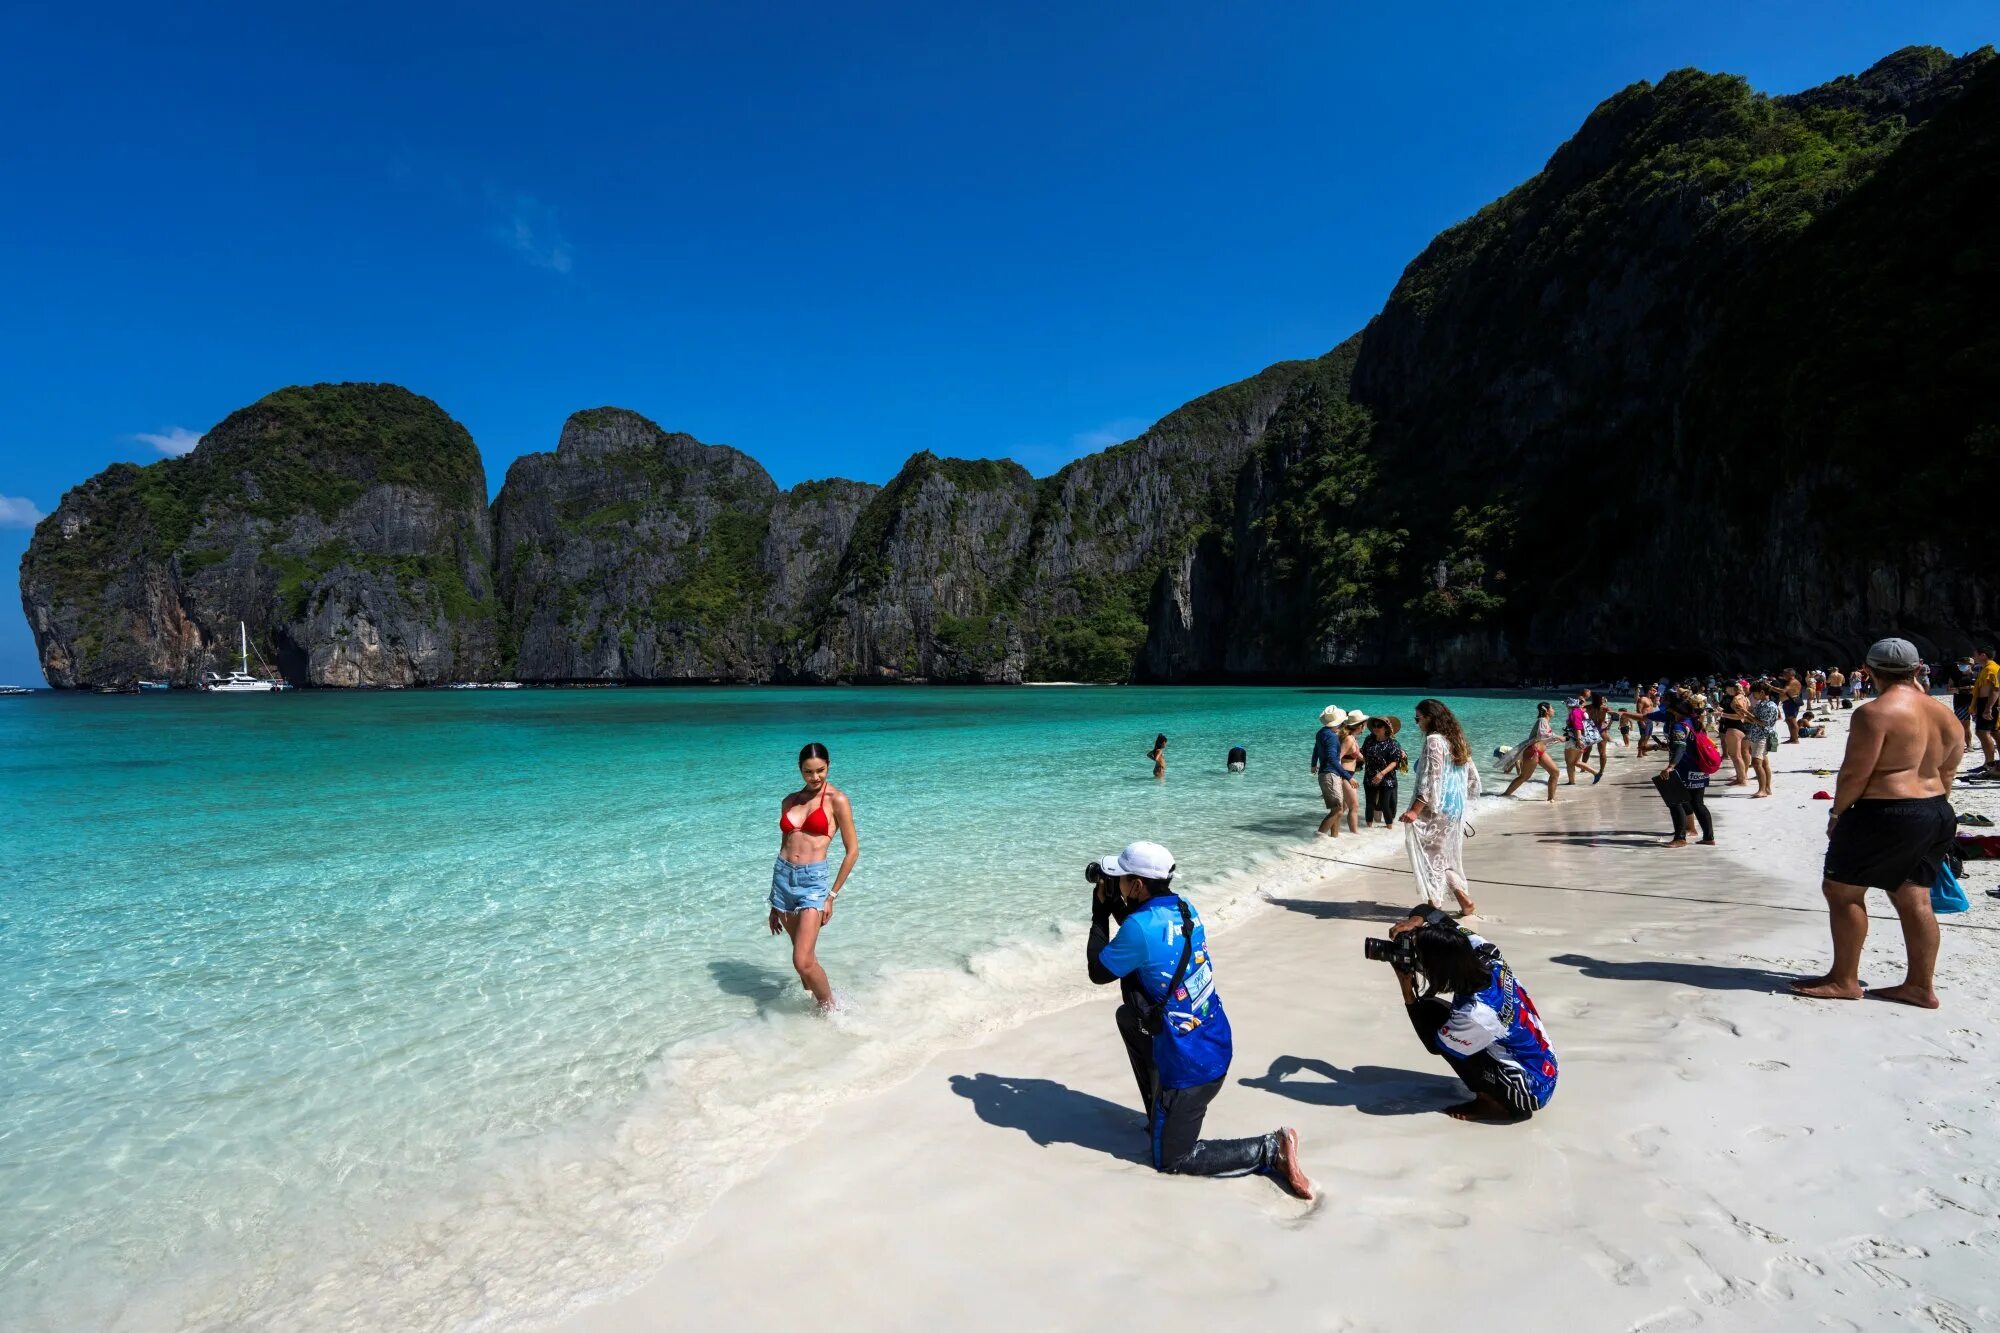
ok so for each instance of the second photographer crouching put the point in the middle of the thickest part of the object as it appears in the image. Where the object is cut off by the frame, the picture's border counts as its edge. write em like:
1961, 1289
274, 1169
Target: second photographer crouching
1488, 1031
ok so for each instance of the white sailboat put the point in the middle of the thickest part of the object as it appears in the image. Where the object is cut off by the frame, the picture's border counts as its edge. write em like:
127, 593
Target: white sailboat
239, 681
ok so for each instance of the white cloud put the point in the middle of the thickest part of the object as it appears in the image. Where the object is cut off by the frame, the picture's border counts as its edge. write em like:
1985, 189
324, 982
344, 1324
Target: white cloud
1103, 437
172, 441
18, 513
1042, 459
530, 231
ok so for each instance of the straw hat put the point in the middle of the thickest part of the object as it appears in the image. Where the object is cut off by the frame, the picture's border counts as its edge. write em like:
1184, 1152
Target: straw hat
1355, 717
1330, 715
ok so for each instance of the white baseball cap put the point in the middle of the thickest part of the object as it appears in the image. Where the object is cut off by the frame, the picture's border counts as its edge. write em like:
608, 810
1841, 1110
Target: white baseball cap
1147, 860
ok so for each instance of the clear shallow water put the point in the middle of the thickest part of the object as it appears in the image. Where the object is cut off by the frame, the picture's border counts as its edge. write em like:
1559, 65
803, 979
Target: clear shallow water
435, 1009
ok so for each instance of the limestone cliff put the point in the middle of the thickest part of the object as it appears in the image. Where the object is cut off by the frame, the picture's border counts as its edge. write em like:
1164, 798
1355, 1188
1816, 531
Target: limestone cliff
345, 524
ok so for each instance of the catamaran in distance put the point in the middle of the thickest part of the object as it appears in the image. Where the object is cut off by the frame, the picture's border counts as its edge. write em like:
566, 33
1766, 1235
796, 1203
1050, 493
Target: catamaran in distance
239, 681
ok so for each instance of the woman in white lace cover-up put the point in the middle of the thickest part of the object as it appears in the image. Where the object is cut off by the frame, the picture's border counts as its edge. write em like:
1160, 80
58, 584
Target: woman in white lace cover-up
1447, 783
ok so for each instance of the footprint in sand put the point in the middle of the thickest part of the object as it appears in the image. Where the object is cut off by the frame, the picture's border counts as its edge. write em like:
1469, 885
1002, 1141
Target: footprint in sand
1409, 1210
1921, 1059
1768, 1066
1942, 1317
1927, 1200
1666, 1321
1779, 1133
1645, 1141
1874, 1247
1945, 1130
1882, 1278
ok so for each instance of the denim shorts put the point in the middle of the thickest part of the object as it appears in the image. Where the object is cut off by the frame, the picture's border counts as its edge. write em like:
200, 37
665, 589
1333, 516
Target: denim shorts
797, 887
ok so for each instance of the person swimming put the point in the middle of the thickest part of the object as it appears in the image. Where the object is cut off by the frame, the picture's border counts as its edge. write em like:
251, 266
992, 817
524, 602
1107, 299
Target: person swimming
803, 885
1239, 758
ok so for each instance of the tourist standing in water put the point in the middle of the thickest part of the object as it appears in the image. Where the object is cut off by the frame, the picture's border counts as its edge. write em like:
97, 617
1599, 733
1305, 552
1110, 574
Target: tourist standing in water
1158, 754
1381, 759
1533, 753
803, 886
1350, 761
1891, 828
1447, 783
1326, 768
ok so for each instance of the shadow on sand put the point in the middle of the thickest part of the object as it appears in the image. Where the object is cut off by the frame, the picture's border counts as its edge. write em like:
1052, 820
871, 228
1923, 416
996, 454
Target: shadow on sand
1048, 1112
1702, 976
1369, 1089
1364, 911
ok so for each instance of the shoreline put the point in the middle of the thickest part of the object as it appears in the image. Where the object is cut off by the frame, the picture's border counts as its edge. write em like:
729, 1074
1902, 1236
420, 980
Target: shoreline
1716, 1150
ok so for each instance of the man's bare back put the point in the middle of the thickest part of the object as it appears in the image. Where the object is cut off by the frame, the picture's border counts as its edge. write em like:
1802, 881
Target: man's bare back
1910, 745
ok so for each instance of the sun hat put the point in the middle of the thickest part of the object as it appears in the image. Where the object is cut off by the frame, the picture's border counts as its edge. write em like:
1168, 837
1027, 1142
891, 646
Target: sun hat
1147, 860
1331, 714
1894, 655
1355, 717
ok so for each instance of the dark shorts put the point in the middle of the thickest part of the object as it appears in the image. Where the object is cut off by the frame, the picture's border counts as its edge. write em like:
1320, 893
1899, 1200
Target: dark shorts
1885, 844
1791, 707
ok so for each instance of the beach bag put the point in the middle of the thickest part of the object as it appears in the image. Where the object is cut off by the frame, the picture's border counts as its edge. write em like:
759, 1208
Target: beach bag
1948, 895
1706, 757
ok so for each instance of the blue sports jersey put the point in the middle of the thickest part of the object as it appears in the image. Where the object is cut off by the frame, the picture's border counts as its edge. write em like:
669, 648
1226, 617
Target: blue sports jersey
1501, 1020
1195, 1048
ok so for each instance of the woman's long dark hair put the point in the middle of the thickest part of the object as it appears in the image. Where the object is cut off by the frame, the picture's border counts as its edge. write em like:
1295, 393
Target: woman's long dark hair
1438, 720
1449, 960
1159, 741
815, 751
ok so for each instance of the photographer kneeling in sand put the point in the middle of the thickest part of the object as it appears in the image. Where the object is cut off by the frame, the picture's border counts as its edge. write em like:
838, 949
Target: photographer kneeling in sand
1175, 1031
1488, 1032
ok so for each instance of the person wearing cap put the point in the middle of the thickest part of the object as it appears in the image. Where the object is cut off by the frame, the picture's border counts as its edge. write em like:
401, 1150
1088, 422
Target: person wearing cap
1890, 828
1327, 769
1172, 1021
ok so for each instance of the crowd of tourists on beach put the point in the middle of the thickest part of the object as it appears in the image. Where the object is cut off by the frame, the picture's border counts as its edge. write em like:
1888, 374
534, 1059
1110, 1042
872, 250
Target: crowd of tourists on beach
1890, 827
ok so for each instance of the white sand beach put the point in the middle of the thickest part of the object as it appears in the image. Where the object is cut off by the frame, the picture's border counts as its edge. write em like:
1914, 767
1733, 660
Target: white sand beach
1719, 1153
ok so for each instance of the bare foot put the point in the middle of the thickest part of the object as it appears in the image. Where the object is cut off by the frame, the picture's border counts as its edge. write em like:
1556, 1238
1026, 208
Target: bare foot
1760, 795
1906, 994
1466, 908
1677, 842
1483, 1110
1290, 1175
1828, 990
1705, 842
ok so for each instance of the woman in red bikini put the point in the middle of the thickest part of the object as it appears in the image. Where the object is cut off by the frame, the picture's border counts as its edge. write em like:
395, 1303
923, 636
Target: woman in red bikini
802, 886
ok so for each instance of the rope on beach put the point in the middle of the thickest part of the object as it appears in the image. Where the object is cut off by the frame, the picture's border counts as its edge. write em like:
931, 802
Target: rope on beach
1633, 893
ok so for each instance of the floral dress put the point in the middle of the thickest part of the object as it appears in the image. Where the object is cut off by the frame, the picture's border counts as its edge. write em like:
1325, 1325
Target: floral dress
1436, 838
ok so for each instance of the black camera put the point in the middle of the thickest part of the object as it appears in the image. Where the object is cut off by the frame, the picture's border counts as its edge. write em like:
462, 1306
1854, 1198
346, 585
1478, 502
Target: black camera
1398, 951
1093, 872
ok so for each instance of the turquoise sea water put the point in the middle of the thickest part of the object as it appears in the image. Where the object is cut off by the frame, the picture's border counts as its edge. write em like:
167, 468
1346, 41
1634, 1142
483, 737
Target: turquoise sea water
431, 1009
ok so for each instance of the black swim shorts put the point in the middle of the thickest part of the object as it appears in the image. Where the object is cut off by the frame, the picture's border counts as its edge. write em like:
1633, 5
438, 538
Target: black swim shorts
1885, 844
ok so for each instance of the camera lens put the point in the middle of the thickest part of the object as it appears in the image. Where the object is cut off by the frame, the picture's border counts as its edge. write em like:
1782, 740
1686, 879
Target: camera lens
1093, 872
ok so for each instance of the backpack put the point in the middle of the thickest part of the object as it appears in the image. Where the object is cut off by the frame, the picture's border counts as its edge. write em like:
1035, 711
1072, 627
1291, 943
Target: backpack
1706, 757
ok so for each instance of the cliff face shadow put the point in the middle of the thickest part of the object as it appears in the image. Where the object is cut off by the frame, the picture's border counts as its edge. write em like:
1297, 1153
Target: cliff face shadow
1702, 976
1369, 1089
766, 987
1049, 1113
1363, 911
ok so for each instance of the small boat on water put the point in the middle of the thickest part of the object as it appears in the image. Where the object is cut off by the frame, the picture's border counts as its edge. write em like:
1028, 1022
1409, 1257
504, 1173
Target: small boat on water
15, 689
239, 681
148, 685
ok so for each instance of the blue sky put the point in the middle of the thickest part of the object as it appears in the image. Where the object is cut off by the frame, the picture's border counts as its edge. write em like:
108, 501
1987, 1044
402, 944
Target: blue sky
828, 234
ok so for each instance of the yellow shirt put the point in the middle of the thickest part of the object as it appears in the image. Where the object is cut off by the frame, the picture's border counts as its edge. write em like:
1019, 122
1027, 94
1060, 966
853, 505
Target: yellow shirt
1988, 681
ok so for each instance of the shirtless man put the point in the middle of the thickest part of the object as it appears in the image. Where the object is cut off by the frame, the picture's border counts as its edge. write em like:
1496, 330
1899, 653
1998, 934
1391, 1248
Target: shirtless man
1890, 827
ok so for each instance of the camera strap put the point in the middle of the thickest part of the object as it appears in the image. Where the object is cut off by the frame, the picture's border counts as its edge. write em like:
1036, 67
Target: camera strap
1187, 953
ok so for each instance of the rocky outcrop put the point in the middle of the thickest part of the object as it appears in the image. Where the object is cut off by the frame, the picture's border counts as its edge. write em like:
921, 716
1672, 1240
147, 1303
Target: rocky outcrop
344, 524
1700, 392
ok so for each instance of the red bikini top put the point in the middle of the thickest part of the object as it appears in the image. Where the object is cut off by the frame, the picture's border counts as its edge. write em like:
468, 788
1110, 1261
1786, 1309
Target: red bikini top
815, 823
